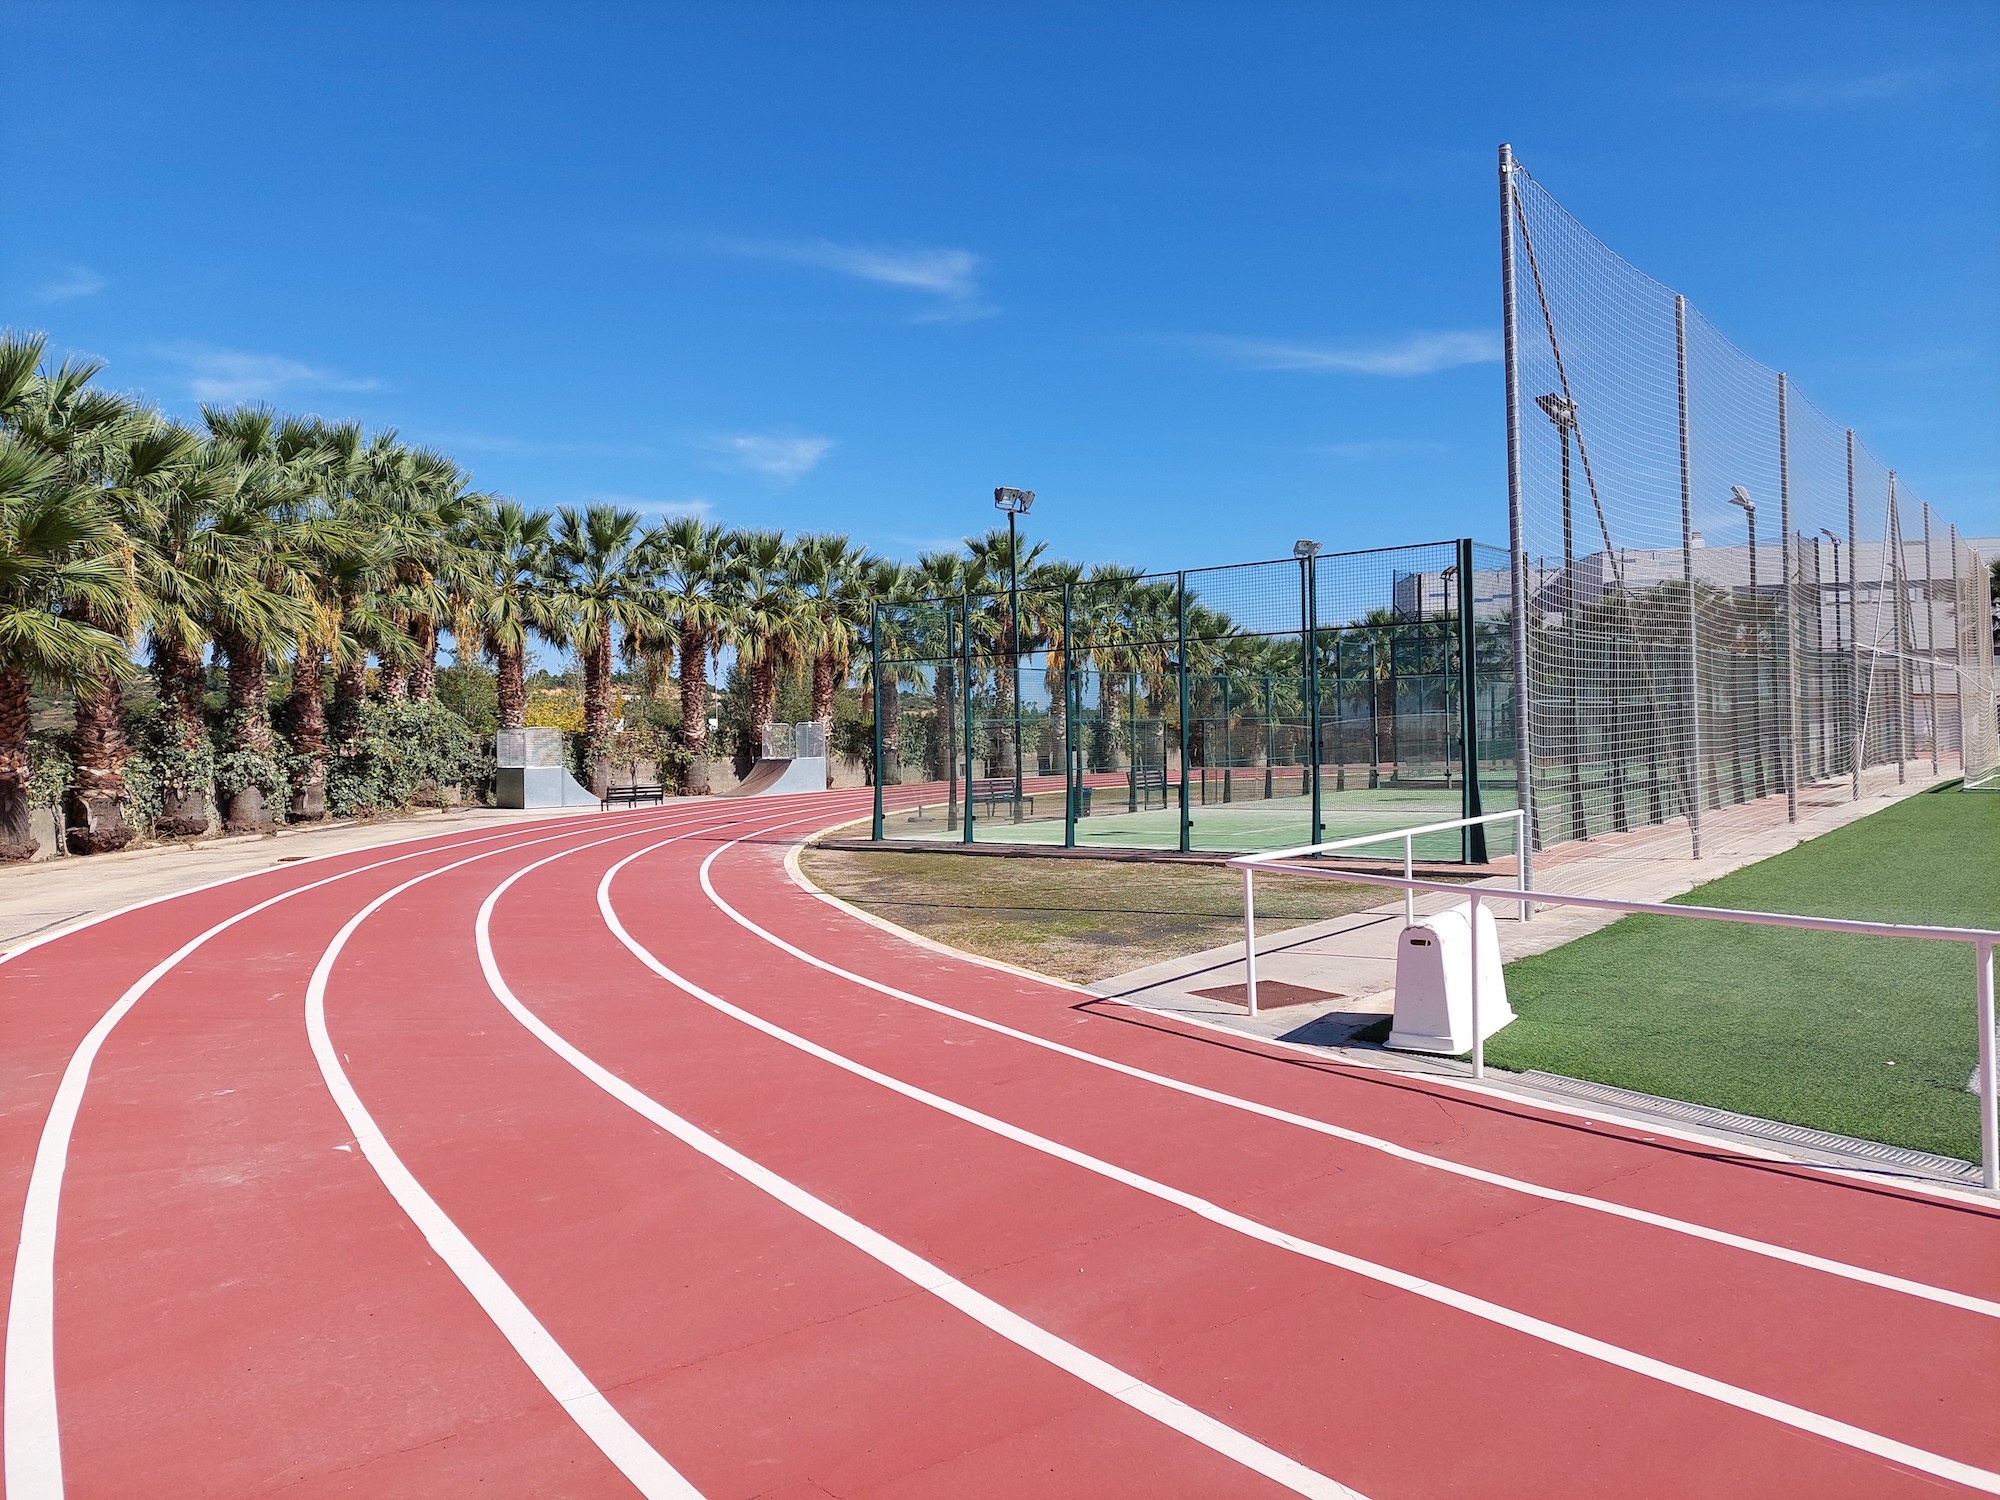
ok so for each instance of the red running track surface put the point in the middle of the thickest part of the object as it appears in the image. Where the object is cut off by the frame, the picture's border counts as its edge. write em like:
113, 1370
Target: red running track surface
598, 1157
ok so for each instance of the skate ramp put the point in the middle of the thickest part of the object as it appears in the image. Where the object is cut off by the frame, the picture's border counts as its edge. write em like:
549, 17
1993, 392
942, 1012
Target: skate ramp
783, 776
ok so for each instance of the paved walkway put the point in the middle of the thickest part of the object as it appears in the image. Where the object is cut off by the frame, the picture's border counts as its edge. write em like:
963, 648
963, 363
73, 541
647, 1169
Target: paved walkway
597, 1157
1351, 960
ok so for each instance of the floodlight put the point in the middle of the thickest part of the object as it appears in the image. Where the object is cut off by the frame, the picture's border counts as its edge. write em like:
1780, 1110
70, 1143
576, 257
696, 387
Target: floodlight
1741, 497
1829, 536
1305, 549
1558, 409
1014, 502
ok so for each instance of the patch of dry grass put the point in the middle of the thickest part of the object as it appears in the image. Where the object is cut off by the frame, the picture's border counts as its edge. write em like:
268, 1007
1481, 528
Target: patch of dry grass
1075, 919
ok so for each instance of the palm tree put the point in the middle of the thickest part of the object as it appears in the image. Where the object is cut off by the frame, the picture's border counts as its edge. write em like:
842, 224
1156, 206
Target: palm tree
59, 568
604, 589
513, 549
771, 624
263, 616
698, 571
830, 574
992, 557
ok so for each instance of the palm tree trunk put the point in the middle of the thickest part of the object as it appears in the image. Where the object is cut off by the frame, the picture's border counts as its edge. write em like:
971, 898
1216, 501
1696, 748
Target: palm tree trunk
350, 688
511, 685
823, 685
763, 702
249, 730
892, 734
423, 677
392, 681
305, 727
694, 709
17, 832
94, 810
597, 710
183, 808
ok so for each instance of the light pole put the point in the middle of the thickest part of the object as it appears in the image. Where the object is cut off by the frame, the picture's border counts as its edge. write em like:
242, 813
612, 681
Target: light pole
1015, 503
1561, 411
1839, 649
1740, 498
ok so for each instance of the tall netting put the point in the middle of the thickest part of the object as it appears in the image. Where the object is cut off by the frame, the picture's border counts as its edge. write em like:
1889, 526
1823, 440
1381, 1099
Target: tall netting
1181, 710
1727, 596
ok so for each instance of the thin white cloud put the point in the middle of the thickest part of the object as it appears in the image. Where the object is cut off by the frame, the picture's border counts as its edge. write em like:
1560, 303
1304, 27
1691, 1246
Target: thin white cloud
1844, 93
1418, 354
217, 374
647, 505
479, 442
71, 281
949, 274
770, 454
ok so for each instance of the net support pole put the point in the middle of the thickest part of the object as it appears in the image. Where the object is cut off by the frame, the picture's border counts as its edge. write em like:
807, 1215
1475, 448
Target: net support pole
965, 698
1989, 1067
1180, 635
1072, 770
1856, 710
1314, 725
1473, 837
1787, 615
1958, 614
875, 675
1478, 1040
1930, 640
1687, 581
1517, 546
1250, 939
1894, 547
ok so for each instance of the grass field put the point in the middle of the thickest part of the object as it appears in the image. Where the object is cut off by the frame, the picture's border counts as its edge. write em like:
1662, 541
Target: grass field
1870, 1037
1080, 920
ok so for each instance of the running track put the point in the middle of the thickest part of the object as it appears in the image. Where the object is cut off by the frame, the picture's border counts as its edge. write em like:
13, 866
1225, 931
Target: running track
599, 1158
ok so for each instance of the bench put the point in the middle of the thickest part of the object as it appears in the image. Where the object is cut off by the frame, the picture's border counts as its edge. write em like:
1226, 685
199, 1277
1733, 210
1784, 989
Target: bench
1144, 781
994, 791
633, 795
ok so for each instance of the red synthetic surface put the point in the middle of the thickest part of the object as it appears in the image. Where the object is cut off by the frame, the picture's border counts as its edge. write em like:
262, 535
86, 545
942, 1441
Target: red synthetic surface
243, 1309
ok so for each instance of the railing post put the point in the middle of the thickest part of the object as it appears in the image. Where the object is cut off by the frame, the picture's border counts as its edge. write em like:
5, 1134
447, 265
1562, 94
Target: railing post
1250, 938
1989, 1085
1313, 728
1857, 715
1526, 877
1478, 1041
1788, 614
875, 672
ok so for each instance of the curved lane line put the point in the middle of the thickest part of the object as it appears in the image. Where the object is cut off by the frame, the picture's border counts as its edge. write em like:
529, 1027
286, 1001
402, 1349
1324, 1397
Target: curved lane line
1106, 1377
615, 1437
1963, 1301
1783, 1412
30, 1428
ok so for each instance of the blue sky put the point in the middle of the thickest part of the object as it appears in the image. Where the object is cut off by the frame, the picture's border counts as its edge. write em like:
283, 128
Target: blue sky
1208, 278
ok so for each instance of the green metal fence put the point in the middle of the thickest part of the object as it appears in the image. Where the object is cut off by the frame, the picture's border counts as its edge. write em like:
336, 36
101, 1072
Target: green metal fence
1182, 710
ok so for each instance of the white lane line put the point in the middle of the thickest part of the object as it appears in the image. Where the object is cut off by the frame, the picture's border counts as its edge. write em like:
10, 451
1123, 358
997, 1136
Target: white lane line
1963, 1301
601, 1422
1114, 1382
30, 1429
1784, 1412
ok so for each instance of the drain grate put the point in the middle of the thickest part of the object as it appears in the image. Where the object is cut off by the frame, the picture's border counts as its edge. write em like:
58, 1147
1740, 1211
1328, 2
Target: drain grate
1681, 1112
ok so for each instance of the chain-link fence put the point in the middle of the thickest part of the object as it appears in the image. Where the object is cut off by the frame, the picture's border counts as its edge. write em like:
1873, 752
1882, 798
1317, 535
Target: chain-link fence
1727, 596
1180, 710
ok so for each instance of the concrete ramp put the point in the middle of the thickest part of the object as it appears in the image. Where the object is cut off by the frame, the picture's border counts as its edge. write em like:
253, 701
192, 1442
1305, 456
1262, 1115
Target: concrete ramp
779, 777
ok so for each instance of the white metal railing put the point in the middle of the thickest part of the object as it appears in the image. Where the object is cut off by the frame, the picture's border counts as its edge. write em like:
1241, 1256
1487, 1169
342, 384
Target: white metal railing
1983, 941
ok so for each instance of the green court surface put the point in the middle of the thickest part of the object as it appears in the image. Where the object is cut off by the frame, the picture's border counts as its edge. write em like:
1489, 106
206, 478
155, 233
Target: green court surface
1865, 1036
1247, 826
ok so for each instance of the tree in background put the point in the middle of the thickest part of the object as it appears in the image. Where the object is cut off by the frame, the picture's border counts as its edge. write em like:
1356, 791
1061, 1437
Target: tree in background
604, 589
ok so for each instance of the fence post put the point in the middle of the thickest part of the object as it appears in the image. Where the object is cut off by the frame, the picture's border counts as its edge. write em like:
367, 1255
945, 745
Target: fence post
1787, 614
875, 673
1958, 613
1517, 562
1072, 771
1180, 630
1473, 840
1893, 545
1687, 579
965, 698
1857, 716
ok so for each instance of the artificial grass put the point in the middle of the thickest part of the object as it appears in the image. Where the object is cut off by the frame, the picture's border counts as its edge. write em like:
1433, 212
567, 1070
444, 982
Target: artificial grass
1869, 1037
